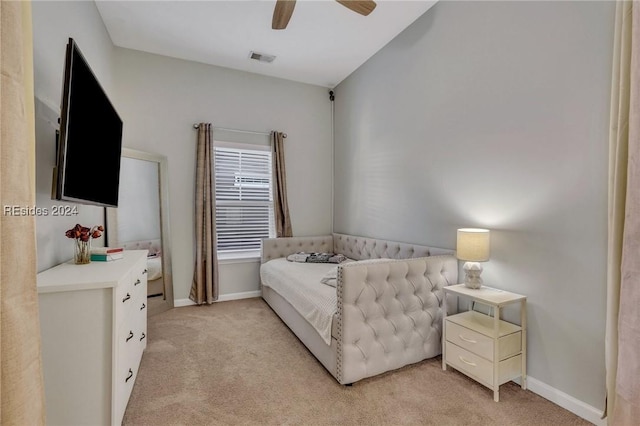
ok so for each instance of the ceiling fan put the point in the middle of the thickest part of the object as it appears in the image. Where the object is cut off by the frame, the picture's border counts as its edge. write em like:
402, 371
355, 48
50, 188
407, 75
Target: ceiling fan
284, 9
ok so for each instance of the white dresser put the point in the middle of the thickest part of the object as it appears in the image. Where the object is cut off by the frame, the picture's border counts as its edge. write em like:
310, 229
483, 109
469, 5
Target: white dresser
93, 321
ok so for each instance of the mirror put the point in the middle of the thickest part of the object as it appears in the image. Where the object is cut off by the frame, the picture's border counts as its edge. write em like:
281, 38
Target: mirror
141, 221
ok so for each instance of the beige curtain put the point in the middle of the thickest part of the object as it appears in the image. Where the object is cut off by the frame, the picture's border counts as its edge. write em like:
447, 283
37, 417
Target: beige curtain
21, 384
622, 342
280, 204
205, 277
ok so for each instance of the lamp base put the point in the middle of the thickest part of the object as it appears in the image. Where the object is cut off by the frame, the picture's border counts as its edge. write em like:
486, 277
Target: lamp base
472, 271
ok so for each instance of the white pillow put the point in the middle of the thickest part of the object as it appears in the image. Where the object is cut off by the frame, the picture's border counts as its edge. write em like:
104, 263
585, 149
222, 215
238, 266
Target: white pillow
331, 277
298, 257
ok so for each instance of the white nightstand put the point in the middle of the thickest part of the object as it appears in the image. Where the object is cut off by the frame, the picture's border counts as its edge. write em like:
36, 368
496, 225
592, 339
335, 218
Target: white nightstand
487, 349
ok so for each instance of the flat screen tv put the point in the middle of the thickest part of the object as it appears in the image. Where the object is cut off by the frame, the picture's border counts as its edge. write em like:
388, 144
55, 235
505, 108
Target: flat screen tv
90, 138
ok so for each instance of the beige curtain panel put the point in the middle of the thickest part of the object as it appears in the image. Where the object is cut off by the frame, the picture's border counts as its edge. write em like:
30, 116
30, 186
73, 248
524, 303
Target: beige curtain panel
21, 384
204, 289
622, 342
280, 204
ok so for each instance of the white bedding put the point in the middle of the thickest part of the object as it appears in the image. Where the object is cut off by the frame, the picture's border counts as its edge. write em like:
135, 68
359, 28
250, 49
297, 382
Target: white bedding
299, 284
154, 267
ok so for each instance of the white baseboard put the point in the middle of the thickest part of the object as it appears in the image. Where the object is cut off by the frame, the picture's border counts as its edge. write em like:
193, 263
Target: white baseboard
178, 303
566, 401
236, 296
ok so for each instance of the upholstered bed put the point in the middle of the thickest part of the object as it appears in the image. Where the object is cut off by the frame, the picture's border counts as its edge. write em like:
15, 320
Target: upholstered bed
381, 315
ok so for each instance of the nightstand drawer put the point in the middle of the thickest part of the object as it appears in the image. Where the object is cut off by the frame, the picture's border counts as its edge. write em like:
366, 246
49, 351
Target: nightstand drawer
470, 363
470, 340
478, 343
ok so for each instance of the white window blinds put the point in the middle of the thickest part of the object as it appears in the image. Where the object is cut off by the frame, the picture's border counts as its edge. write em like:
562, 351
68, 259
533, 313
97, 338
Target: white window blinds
244, 204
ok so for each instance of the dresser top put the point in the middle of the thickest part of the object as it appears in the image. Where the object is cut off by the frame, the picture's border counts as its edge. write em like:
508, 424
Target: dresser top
69, 276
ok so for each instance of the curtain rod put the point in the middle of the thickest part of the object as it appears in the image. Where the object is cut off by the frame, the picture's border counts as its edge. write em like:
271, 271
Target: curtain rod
284, 135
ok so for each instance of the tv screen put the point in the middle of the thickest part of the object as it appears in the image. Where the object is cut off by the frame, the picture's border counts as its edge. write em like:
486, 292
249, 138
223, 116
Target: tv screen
90, 138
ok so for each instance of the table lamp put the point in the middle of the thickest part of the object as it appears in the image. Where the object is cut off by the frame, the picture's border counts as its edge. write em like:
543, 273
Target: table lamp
473, 247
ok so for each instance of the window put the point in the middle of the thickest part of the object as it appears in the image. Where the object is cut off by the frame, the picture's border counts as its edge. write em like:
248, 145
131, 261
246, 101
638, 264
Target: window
244, 202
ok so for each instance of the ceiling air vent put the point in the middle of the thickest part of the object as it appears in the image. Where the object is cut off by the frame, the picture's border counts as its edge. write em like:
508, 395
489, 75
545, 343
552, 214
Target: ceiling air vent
261, 57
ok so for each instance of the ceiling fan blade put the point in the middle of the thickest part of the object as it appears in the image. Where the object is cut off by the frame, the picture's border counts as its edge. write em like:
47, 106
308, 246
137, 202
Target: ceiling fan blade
282, 13
361, 7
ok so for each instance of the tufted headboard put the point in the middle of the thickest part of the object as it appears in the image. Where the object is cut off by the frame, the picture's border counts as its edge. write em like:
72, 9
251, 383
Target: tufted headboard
274, 248
360, 248
153, 246
354, 247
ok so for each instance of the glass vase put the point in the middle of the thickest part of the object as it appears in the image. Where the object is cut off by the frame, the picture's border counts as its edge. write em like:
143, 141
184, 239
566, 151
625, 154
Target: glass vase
82, 252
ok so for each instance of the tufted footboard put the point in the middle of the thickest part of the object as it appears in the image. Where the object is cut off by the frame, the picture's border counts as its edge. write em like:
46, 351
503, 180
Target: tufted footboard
389, 314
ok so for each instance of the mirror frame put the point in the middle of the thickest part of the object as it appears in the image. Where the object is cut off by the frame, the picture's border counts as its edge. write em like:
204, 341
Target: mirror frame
167, 302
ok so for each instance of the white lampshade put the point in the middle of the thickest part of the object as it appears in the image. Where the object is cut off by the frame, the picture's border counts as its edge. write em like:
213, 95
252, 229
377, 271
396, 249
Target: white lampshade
473, 244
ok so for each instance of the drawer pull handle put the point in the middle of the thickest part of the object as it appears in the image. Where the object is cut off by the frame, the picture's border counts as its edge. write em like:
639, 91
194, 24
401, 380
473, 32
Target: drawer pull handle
473, 364
129, 376
466, 340
143, 336
127, 297
137, 282
143, 306
130, 335
145, 271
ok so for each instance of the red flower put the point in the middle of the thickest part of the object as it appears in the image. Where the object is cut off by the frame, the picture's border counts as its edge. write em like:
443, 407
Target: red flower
83, 233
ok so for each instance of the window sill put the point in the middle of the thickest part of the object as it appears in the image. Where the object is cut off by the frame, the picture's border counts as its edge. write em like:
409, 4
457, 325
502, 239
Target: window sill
242, 257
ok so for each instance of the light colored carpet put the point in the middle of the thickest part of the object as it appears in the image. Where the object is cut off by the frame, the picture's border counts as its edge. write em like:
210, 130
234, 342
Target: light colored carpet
237, 363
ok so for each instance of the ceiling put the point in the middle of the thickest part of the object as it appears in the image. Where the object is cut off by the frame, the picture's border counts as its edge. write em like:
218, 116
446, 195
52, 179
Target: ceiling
323, 43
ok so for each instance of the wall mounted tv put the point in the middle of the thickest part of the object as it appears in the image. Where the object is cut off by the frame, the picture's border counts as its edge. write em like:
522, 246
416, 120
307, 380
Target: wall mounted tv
90, 139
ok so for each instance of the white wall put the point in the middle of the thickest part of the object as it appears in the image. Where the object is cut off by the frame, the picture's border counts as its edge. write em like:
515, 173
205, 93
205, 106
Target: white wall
495, 114
53, 24
161, 98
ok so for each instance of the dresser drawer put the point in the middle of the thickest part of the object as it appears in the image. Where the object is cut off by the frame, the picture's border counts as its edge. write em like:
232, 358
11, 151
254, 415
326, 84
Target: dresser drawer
131, 296
139, 279
131, 320
131, 343
470, 340
124, 385
134, 278
469, 363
